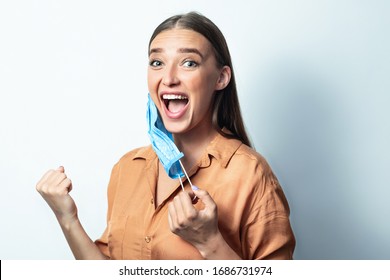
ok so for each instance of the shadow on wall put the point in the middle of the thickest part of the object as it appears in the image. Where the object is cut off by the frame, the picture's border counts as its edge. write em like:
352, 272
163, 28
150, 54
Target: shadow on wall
303, 131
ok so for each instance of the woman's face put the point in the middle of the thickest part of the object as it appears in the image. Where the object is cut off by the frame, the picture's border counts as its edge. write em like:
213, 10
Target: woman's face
182, 79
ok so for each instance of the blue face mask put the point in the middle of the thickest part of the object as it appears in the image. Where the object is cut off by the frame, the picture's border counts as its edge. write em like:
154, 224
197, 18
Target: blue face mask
162, 142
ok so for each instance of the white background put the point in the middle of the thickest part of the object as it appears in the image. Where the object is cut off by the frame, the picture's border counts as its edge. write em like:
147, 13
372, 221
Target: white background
313, 80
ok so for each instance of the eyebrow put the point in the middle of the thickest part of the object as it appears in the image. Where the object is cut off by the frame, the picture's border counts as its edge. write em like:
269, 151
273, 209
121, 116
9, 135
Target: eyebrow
181, 50
191, 50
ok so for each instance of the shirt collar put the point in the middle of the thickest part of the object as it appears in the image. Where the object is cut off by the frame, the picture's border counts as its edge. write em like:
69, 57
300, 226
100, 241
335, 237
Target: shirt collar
145, 153
221, 148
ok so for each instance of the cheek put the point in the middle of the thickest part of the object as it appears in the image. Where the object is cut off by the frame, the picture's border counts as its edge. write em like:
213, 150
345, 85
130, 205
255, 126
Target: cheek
204, 86
197, 83
152, 82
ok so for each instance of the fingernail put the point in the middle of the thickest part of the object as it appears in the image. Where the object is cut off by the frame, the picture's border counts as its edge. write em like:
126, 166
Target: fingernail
195, 188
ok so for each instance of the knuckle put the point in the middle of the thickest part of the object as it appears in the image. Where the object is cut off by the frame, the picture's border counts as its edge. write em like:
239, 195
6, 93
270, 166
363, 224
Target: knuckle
213, 208
192, 216
175, 230
205, 192
181, 223
43, 188
50, 191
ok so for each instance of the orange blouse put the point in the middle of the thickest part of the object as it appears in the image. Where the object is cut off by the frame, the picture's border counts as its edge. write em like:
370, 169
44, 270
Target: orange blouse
253, 213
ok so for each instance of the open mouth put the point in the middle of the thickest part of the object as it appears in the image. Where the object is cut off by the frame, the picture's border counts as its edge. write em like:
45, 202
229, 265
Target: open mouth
175, 103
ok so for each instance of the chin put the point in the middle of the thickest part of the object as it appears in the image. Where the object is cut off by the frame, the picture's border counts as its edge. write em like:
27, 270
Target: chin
176, 128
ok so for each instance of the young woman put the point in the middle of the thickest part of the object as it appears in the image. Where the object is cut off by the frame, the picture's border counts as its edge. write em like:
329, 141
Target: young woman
240, 211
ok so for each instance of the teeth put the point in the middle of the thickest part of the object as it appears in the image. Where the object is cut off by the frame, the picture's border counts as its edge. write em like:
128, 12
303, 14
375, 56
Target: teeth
173, 96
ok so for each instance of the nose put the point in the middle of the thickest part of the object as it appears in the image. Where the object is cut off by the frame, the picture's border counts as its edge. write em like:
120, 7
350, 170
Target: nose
170, 77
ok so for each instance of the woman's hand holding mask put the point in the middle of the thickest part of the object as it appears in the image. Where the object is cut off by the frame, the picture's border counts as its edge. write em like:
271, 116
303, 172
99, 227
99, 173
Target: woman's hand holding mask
198, 227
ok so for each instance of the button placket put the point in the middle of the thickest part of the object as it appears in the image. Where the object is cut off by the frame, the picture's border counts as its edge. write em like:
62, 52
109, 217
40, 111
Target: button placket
148, 239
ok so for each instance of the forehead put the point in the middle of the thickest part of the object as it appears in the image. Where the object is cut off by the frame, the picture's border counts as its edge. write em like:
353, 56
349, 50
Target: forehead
178, 38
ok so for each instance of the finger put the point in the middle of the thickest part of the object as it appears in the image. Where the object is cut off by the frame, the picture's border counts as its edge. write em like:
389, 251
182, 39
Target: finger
194, 198
179, 211
56, 178
53, 178
172, 219
48, 176
205, 197
65, 186
44, 178
70, 187
185, 198
189, 211
61, 169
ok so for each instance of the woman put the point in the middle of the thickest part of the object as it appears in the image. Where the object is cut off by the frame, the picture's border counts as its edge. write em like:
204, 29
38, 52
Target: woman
240, 211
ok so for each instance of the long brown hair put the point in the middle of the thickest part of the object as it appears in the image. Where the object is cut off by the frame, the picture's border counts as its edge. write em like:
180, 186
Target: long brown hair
226, 107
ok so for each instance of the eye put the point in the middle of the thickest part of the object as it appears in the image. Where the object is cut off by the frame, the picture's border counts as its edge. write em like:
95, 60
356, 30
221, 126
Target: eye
155, 63
190, 64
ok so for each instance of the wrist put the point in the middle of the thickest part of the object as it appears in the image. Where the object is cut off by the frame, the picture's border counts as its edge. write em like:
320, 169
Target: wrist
66, 222
216, 248
211, 246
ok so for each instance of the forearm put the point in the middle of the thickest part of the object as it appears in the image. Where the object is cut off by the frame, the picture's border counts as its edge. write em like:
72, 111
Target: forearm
216, 248
83, 248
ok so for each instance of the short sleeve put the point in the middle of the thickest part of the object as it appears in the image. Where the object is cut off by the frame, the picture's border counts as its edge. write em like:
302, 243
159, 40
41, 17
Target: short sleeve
102, 242
267, 233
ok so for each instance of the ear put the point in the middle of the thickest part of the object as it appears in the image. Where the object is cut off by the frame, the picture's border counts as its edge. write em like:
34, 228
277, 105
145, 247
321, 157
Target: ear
224, 78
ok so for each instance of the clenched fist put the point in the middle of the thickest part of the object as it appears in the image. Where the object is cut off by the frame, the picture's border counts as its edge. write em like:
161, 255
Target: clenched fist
54, 187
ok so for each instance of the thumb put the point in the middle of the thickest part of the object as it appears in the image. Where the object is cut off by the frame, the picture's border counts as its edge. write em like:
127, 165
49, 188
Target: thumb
61, 169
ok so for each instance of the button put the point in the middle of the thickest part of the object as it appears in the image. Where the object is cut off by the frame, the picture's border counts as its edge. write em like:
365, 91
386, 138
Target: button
148, 239
152, 201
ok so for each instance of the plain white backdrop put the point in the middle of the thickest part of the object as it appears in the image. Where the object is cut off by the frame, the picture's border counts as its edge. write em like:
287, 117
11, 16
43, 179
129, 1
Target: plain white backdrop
313, 81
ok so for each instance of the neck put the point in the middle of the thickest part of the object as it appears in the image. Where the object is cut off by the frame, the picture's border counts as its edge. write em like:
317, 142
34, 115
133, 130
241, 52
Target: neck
193, 144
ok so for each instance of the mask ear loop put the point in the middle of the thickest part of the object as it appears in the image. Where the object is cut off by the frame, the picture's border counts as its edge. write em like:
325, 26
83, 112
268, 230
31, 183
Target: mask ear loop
184, 170
188, 178
181, 182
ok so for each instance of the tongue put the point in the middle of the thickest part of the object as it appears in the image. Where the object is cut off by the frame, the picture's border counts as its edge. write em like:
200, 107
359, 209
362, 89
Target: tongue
176, 105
